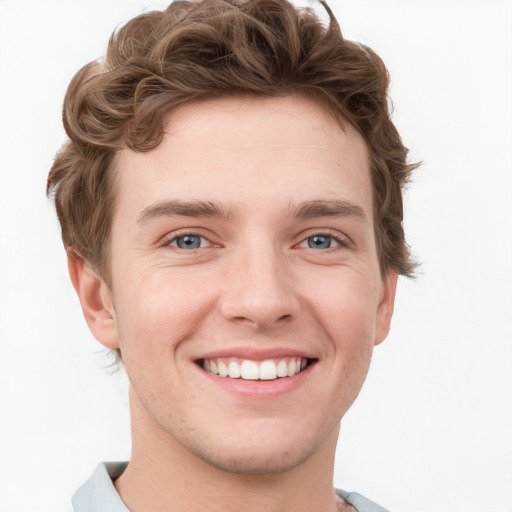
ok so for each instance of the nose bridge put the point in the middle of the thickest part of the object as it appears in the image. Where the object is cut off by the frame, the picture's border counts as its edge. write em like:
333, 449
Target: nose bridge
258, 287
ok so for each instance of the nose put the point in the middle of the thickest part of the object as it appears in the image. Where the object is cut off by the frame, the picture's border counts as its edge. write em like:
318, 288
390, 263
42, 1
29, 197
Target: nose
258, 289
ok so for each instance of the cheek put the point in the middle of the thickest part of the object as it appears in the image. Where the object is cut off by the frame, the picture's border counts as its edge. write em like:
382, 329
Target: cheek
346, 306
347, 316
155, 314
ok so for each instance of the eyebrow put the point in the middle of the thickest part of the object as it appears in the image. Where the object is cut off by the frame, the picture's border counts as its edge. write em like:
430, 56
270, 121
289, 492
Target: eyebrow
304, 210
186, 208
322, 208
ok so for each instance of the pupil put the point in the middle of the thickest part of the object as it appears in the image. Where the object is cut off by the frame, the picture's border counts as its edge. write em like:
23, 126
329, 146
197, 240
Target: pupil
188, 242
319, 242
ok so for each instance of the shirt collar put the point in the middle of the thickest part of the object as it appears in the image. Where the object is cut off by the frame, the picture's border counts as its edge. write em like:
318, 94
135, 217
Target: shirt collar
98, 493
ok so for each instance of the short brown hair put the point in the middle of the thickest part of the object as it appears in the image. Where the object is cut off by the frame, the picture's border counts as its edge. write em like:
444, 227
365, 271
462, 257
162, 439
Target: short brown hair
213, 48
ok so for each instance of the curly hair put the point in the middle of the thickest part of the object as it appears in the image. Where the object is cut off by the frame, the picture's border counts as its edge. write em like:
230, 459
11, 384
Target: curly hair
214, 48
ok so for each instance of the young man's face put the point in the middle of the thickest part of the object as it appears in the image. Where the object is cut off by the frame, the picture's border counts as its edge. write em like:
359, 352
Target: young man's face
244, 243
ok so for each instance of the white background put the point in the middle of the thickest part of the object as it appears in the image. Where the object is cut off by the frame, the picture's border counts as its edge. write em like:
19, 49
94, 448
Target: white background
432, 429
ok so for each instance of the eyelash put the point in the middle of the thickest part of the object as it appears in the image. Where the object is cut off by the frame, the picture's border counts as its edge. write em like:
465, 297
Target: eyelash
169, 241
341, 241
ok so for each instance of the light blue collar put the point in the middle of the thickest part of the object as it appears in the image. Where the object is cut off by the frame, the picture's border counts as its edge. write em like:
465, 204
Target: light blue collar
98, 494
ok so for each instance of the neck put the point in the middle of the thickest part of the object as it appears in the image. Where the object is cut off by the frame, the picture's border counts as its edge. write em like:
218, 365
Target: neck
164, 475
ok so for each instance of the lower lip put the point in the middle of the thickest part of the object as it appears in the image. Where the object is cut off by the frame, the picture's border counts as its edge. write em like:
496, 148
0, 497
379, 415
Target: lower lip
259, 388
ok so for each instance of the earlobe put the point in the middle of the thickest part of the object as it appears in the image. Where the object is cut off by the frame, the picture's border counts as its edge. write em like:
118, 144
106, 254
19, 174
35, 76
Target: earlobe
386, 306
94, 297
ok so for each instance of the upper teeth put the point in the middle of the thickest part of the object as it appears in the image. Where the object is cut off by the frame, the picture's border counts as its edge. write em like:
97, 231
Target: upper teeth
255, 370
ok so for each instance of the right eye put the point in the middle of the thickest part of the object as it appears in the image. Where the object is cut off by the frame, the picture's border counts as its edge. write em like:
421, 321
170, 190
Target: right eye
188, 241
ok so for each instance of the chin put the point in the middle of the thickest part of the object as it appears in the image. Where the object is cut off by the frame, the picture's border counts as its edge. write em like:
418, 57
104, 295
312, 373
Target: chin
260, 451
255, 461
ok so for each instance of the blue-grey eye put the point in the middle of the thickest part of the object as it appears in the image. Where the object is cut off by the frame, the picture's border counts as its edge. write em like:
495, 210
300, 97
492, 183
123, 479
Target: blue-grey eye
319, 242
188, 241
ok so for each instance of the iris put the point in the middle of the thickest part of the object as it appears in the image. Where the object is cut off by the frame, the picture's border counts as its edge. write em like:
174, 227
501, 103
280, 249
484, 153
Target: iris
319, 242
188, 242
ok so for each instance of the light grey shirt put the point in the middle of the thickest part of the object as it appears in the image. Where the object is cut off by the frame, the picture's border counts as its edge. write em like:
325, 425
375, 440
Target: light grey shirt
98, 494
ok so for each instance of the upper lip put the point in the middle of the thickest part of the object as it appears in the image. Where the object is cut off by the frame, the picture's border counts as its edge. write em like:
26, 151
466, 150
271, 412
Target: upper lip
256, 353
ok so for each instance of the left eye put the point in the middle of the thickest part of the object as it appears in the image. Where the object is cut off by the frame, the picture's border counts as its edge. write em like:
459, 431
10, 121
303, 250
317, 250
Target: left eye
188, 242
320, 242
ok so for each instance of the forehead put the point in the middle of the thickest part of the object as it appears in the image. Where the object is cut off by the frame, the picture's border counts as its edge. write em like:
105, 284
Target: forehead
245, 149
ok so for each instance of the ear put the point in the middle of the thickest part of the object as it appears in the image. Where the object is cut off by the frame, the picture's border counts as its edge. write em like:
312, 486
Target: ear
95, 299
386, 306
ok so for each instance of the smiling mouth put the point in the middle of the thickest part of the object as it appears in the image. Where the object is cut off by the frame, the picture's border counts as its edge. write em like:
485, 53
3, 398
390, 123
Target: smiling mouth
246, 369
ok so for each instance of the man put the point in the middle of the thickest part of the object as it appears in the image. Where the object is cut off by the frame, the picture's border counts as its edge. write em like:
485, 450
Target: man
231, 205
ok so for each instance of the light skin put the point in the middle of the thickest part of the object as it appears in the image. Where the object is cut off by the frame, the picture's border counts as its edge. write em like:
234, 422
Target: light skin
247, 234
